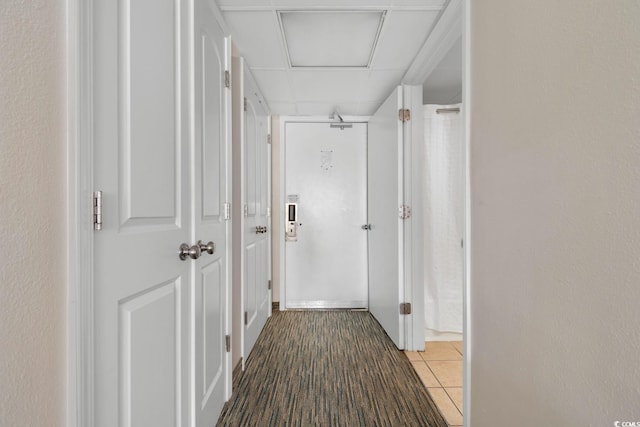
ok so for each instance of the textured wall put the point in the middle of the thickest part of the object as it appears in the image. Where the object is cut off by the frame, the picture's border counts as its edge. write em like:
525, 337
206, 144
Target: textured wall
555, 181
32, 222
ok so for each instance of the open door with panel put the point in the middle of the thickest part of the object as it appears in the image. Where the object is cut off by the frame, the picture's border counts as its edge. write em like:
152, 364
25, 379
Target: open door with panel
394, 206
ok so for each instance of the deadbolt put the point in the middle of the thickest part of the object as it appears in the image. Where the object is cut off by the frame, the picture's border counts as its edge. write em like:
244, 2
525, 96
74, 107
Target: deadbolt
192, 252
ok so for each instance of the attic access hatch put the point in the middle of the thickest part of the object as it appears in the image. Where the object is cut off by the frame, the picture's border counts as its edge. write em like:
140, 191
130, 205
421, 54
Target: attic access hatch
330, 39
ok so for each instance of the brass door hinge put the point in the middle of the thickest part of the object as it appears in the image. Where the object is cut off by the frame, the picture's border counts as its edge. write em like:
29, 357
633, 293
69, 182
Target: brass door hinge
405, 308
404, 114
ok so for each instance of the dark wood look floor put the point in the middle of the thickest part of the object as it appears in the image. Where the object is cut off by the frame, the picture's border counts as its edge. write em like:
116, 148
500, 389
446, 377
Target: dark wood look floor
328, 368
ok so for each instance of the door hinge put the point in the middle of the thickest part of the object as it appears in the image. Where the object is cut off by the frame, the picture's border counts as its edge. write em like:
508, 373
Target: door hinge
227, 343
97, 210
269, 284
462, 243
246, 210
405, 308
404, 114
246, 317
245, 104
227, 210
227, 79
269, 138
404, 211
268, 211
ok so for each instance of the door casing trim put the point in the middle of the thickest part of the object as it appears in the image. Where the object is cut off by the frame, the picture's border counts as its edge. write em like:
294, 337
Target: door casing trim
79, 76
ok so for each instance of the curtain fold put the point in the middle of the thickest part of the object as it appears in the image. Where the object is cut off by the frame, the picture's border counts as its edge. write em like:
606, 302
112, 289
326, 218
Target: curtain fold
443, 219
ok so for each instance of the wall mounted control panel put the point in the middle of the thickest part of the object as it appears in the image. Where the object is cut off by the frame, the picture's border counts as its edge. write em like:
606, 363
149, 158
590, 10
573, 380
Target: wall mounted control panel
291, 226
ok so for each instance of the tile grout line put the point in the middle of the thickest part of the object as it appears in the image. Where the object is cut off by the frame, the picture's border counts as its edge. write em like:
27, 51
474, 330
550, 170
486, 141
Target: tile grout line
426, 362
453, 401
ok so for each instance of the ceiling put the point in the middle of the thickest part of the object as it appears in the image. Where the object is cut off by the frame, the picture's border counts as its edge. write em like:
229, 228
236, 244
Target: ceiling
315, 57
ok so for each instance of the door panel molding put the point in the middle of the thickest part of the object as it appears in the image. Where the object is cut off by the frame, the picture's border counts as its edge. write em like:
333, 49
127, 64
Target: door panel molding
139, 132
212, 306
211, 183
158, 304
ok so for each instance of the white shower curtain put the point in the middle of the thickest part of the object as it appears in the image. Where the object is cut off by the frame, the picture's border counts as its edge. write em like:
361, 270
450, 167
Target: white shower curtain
443, 220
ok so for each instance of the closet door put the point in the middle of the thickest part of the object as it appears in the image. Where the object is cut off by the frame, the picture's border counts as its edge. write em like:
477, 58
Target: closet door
255, 256
160, 320
210, 167
141, 153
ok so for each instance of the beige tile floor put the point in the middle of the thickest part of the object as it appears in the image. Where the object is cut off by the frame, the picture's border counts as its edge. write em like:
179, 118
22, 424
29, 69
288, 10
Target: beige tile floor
439, 367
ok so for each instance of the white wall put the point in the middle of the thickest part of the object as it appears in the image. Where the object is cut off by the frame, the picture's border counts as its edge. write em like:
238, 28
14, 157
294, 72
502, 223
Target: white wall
555, 182
32, 213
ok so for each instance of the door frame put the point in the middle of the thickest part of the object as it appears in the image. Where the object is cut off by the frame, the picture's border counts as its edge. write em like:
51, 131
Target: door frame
467, 329
80, 357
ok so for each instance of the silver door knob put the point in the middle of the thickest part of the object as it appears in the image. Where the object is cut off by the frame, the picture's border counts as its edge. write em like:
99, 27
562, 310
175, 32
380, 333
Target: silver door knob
192, 252
209, 248
366, 227
261, 229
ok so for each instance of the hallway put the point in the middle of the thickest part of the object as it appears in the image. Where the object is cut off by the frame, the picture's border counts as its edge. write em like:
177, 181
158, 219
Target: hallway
328, 368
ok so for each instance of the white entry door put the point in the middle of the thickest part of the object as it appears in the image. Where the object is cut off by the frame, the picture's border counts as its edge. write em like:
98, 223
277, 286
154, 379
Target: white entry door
211, 170
141, 164
256, 253
395, 262
159, 321
326, 194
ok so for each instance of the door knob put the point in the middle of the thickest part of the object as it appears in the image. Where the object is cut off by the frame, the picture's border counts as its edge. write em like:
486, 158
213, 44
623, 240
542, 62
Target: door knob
261, 229
366, 227
192, 252
209, 248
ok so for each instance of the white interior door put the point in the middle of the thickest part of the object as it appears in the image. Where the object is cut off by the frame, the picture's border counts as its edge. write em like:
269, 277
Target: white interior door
255, 256
395, 235
326, 185
385, 189
211, 190
141, 142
